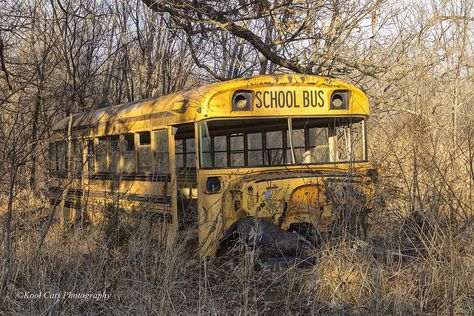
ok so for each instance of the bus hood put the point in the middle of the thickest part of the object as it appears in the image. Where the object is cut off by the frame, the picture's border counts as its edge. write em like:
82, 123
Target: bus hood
297, 196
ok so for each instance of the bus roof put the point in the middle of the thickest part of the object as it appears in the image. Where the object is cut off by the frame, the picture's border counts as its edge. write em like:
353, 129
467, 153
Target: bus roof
188, 106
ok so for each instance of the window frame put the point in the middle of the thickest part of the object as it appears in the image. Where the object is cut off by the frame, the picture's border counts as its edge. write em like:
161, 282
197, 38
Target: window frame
185, 152
77, 160
97, 147
53, 158
90, 145
155, 151
286, 145
124, 151
261, 150
138, 145
213, 150
230, 152
62, 169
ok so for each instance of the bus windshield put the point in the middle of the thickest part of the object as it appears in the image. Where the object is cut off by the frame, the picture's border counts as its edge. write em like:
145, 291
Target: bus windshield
235, 143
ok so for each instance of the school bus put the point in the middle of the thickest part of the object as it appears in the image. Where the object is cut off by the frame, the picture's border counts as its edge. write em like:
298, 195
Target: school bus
257, 157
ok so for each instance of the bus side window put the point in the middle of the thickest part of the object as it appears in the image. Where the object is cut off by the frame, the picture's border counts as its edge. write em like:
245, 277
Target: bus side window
53, 158
130, 156
114, 154
77, 148
161, 152
90, 156
101, 154
62, 156
144, 152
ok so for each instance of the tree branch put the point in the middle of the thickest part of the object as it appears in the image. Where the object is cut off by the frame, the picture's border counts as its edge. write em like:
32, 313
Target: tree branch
182, 9
2, 62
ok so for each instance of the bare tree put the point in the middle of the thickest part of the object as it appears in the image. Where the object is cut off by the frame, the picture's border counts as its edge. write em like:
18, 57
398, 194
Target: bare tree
302, 36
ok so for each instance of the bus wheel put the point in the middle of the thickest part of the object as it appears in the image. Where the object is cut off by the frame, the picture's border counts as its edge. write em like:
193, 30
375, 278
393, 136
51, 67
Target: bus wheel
305, 230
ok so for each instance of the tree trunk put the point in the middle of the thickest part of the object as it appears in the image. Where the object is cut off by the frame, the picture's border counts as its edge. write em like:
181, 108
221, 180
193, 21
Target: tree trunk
68, 170
7, 241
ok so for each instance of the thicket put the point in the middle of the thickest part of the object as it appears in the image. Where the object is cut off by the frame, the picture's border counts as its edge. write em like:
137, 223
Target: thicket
414, 60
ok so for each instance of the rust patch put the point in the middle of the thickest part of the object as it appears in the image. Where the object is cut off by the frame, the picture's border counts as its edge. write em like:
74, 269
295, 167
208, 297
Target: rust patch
310, 200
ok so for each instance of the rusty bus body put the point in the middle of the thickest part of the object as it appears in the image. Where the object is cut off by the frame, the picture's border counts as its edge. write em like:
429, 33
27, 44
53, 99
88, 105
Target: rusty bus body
274, 152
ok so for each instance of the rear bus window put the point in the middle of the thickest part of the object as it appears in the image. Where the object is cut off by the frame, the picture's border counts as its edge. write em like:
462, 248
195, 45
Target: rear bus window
252, 142
298, 146
237, 150
319, 144
274, 145
255, 149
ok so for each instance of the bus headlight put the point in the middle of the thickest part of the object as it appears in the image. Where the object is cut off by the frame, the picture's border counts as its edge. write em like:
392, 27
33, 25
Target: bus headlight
340, 100
242, 100
213, 185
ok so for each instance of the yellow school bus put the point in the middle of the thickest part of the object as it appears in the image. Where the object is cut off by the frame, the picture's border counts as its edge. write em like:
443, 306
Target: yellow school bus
258, 157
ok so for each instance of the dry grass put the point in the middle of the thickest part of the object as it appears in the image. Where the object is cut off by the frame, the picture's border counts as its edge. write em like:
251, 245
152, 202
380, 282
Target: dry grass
418, 259
411, 270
